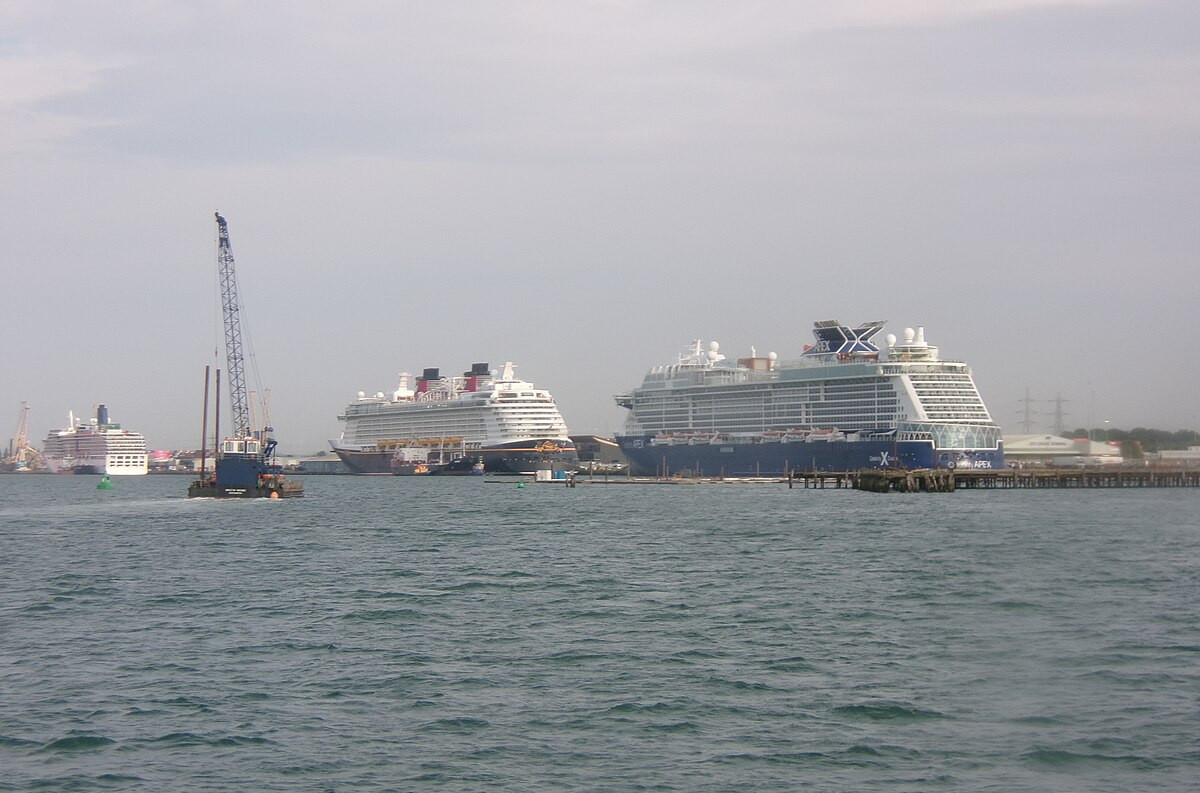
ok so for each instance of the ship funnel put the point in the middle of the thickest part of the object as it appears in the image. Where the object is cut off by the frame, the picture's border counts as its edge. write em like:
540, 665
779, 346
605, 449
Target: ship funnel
920, 335
101, 414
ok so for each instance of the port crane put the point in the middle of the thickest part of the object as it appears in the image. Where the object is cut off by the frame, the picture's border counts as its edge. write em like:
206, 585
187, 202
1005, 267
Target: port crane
21, 456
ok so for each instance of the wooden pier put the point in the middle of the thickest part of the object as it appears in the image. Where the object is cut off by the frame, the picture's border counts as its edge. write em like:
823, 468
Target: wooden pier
1100, 476
942, 480
926, 480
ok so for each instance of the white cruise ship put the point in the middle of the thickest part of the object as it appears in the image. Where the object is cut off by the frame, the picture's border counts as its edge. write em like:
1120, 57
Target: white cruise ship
97, 446
456, 423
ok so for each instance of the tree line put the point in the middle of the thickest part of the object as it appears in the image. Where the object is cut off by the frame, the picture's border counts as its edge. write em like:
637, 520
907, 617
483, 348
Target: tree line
1150, 440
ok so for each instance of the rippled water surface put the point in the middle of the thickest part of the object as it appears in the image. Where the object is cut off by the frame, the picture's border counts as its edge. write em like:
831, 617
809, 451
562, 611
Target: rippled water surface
460, 634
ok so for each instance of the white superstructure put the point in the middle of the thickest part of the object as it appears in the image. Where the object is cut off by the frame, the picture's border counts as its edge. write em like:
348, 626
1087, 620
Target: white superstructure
97, 446
842, 384
477, 410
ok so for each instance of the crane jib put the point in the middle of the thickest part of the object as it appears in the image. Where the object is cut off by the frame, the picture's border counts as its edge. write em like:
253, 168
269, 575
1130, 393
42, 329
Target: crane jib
230, 304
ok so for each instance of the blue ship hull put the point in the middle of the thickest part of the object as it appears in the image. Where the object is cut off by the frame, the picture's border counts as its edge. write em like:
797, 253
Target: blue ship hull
746, 458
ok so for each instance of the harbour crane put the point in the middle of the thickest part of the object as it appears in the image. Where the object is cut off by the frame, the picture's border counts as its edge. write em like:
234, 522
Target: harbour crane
22, 456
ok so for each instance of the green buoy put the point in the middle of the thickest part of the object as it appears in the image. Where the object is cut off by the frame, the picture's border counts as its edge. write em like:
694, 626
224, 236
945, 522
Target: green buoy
520, 485
105, 483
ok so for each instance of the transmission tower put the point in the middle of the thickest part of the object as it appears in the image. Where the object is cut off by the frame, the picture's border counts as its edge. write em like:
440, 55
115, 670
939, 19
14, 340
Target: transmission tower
1059, 414
1028, 413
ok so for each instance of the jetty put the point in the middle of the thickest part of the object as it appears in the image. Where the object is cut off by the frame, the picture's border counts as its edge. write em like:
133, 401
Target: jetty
941, 480
919, 480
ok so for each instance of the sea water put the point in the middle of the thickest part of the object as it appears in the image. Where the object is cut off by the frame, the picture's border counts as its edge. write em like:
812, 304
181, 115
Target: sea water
388, 633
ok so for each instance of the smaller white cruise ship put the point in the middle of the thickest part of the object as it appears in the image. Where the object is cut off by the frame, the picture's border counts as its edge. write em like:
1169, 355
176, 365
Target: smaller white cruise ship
487, 417
97, 446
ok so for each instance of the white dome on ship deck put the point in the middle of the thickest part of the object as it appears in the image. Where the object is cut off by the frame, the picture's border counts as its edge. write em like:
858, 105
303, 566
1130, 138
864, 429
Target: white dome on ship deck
773, 356
890, 339
909, 334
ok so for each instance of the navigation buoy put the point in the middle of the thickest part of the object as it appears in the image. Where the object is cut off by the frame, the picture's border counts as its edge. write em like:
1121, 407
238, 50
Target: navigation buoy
104, 484
520, 485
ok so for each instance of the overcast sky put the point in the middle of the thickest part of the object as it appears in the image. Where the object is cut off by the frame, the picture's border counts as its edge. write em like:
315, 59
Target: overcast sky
584, 187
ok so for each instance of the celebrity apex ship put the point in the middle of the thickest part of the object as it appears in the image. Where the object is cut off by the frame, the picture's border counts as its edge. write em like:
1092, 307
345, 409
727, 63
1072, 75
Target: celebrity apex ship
843, 405
457, 425
98, 446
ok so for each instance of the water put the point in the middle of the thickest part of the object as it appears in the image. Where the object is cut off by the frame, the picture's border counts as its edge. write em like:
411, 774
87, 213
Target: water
436, 634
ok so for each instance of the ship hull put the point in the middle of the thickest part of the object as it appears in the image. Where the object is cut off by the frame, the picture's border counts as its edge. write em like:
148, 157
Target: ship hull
245, 476
524, 457
530, 456
746, 458
463, 466
366, 462
204, 488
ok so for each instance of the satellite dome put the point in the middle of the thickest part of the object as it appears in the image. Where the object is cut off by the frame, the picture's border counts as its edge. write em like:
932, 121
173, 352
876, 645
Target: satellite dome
362, 394
773, 356
909, 335
714, 346
890, 339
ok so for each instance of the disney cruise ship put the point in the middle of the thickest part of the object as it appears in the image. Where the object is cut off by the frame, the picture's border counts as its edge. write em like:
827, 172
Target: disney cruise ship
843, 405
96, 447
455, 423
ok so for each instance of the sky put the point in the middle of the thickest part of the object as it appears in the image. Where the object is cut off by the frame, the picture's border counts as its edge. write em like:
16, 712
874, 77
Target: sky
584, 187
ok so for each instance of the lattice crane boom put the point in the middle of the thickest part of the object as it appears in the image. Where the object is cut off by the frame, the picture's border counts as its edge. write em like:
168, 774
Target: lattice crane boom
230, 306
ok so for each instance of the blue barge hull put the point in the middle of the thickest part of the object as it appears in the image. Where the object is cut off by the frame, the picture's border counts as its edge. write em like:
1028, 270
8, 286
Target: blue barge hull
744, 458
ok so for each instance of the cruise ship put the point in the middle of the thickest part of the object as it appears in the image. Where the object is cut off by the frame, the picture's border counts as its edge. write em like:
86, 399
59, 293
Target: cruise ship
843, 404
98, 446
455, 422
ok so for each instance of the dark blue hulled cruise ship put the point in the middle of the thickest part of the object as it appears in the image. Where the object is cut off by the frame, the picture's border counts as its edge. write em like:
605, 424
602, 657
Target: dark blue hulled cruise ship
843, 405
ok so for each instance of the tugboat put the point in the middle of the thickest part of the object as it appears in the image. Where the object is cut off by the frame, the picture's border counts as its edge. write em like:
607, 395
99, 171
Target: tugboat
420, 462
245, 466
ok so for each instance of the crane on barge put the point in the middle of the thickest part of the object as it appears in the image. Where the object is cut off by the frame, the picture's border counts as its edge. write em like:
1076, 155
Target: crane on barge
230, 310
245, 466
